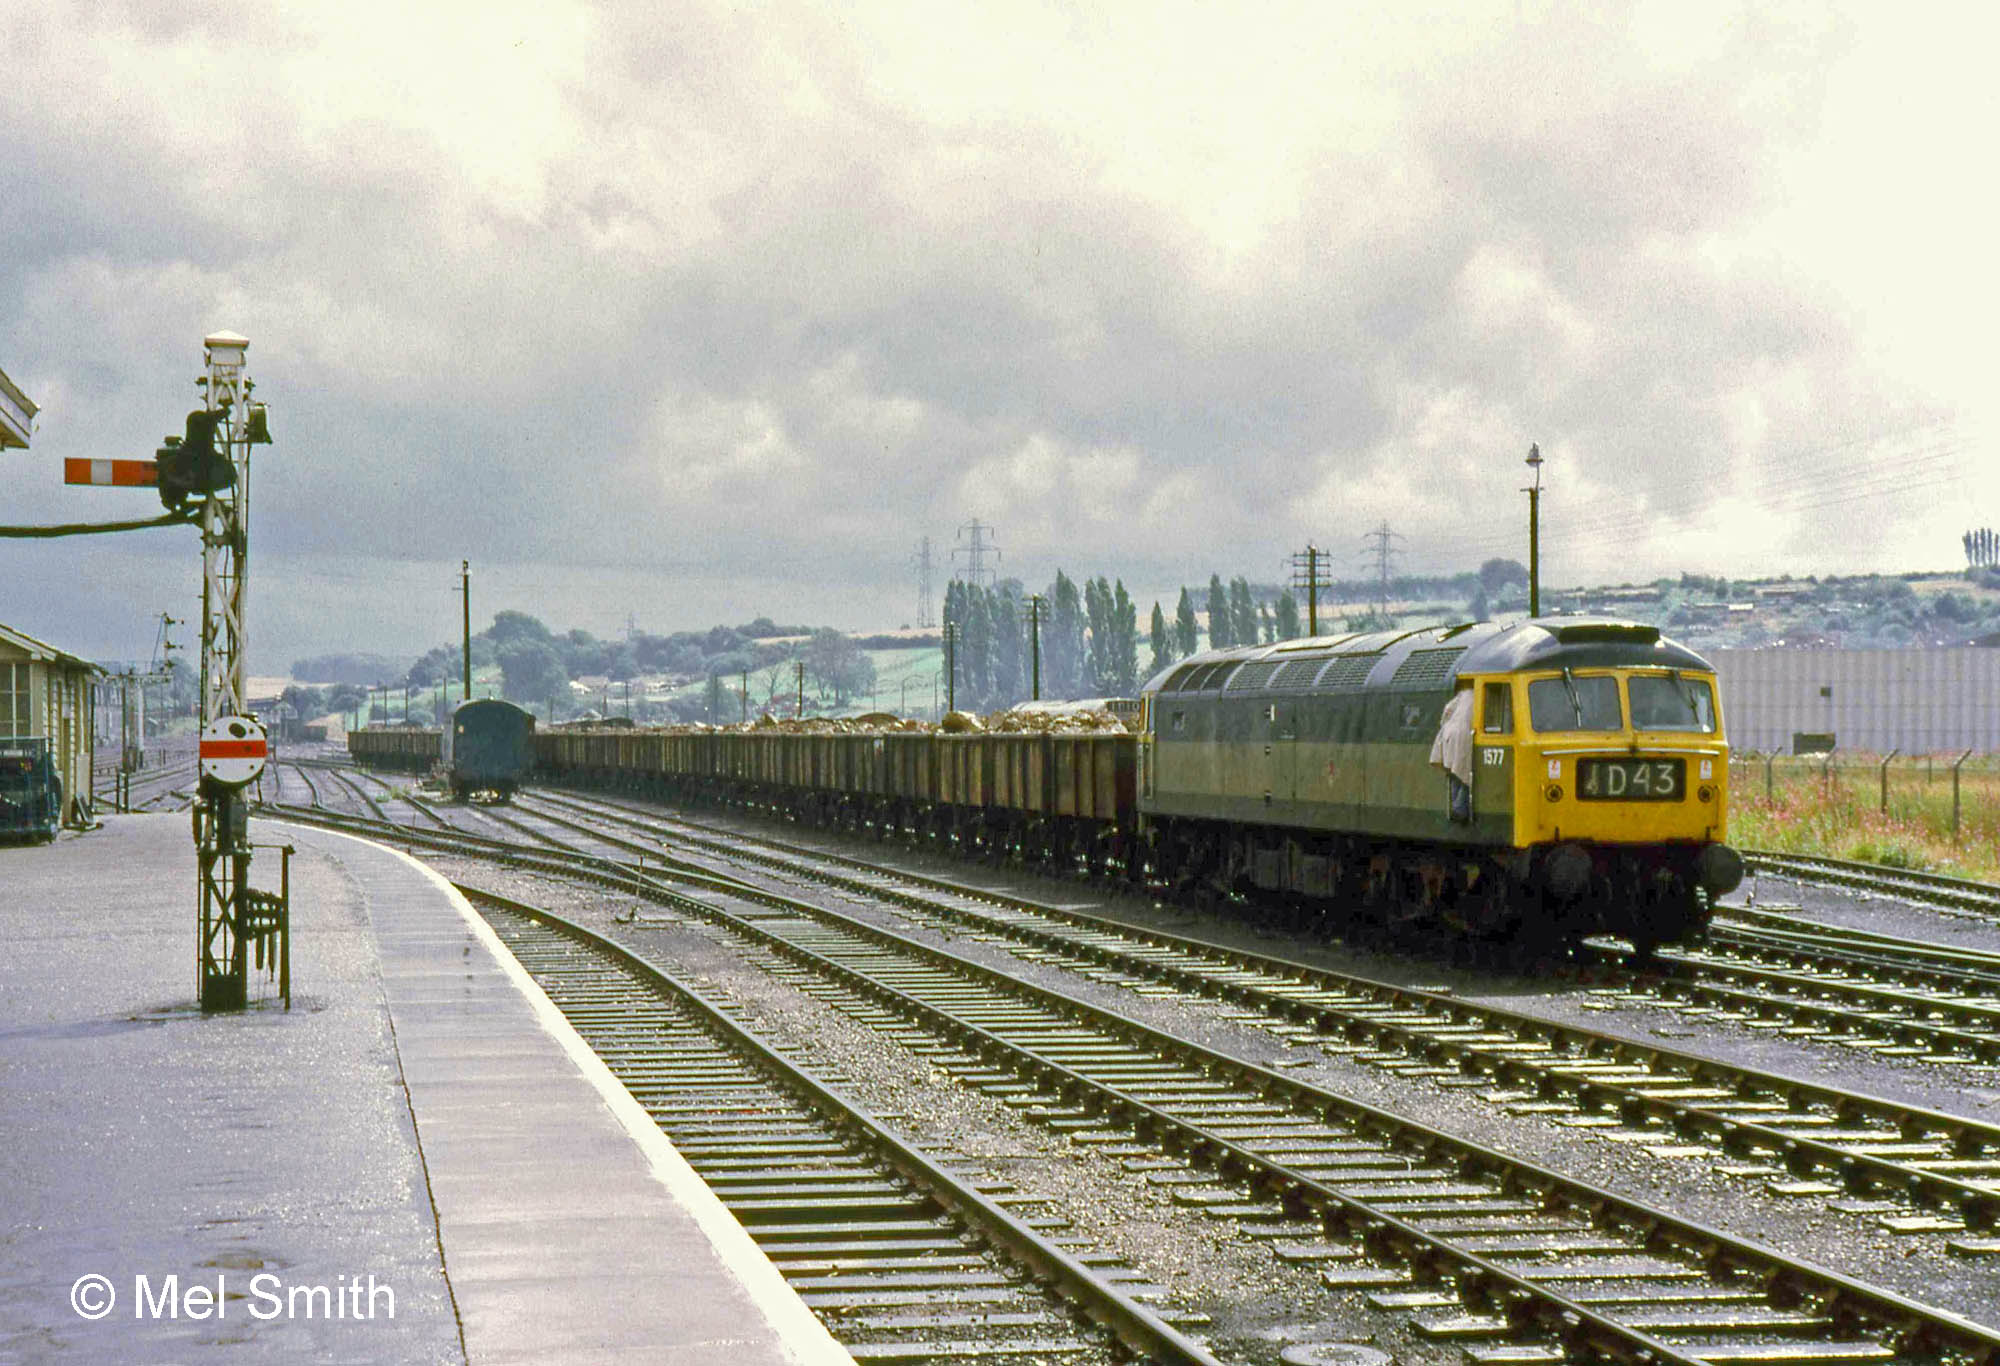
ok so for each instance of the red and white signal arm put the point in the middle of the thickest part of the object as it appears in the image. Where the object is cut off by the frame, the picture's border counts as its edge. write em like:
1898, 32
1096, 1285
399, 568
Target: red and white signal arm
232, 750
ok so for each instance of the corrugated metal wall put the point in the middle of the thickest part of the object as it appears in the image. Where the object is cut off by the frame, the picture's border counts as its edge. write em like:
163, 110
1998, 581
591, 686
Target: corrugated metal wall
1918, 701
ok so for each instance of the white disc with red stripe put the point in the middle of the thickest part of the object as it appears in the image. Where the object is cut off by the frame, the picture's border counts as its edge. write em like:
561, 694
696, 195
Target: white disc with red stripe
232, 750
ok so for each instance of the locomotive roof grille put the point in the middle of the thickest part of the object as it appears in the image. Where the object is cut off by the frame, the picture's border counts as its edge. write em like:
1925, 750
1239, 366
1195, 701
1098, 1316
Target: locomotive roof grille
1298, 674
1426, 669
1257, 675
1179, 681
1217, 680
1349, 671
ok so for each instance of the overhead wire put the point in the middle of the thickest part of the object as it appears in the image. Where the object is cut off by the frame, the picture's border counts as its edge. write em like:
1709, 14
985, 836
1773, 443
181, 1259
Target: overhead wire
1934, 466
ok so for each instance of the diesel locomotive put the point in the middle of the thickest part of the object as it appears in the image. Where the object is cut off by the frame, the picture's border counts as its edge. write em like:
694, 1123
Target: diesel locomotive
1537, 780
1593, 795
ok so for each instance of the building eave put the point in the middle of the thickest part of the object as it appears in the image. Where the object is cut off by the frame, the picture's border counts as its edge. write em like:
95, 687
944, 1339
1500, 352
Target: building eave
41, 649
17, 415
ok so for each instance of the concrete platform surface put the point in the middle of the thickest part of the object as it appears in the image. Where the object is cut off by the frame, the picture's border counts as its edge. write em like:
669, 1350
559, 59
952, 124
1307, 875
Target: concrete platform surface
421, 1162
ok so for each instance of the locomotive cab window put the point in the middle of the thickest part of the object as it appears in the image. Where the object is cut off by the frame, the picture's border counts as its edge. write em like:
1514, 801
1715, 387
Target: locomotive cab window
1670, 702
1497, 710
1570, 702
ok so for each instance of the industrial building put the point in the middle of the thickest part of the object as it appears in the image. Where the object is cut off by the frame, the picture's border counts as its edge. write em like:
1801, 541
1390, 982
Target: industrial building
46, 693
1917, 701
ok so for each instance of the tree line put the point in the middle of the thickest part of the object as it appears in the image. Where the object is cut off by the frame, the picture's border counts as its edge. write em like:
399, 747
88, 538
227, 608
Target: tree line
1982, 548
1089, 639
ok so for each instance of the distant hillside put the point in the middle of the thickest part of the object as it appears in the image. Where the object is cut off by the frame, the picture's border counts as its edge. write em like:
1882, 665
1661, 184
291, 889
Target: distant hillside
358, 669
1872, 611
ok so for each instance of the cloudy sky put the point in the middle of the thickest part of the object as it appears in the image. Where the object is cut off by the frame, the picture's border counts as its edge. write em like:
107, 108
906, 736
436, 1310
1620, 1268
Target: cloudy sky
682, 313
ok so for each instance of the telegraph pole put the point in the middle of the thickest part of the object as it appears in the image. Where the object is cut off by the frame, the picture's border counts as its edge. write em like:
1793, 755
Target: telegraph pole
1535, 532
1035, 640
465, 633
951, 666
1312, 581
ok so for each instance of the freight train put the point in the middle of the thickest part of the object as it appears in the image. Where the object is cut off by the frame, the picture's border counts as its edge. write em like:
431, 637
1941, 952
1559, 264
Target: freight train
406, 749
488, 748
1539, 781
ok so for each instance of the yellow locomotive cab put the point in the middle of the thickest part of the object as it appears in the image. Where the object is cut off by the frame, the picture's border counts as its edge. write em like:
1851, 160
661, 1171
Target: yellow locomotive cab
1621, 756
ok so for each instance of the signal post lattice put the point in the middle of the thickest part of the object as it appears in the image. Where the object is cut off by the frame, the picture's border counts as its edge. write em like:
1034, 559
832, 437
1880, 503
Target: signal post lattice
232, 917
211, 467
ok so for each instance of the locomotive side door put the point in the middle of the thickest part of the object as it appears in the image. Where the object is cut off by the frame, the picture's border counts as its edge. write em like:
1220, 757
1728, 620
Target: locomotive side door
1494, 773
1280, 753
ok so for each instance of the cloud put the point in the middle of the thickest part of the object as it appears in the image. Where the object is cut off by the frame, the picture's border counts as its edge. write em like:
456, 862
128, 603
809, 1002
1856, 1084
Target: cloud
1154, 291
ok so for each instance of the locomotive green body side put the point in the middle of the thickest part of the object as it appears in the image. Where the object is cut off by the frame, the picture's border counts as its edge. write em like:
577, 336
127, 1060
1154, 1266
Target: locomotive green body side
1358, 763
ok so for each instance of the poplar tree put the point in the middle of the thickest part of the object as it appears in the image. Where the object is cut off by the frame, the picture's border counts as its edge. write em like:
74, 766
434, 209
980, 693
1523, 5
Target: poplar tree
1287, 616
1187, 635
1010, 647
1097, 615
1242, 613
975, 672
1161, 640
1220, 634
1062, 644
1124, 652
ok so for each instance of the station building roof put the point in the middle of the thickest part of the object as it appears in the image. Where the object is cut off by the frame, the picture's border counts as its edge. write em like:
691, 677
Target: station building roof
17, 415
41, 649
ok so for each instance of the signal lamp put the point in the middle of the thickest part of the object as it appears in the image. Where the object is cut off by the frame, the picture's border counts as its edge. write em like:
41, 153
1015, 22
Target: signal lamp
193, 466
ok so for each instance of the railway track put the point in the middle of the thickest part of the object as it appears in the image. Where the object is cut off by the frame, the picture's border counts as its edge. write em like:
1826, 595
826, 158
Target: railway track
1514, 1261
1912, 1005
1911, 884
164, 787
1934, 1016
905, 1259
1914, 1170
1783, 926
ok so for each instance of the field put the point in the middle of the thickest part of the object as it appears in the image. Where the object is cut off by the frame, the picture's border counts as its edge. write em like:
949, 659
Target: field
773, 689
1835, 807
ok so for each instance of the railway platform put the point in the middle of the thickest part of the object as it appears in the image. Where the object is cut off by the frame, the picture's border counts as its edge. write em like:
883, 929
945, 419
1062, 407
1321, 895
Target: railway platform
420, 1162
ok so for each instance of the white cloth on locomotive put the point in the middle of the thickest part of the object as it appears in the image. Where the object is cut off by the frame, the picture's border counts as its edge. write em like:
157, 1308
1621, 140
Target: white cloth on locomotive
1452, 749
